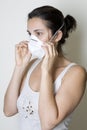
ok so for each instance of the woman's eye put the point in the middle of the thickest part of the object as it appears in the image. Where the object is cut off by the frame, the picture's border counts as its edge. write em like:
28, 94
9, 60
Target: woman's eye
39, 33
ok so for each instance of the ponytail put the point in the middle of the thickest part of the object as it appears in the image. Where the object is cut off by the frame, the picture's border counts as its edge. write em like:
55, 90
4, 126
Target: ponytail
70, 24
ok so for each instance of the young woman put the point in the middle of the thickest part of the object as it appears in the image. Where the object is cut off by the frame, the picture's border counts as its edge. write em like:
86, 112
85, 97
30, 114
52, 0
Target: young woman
45, 90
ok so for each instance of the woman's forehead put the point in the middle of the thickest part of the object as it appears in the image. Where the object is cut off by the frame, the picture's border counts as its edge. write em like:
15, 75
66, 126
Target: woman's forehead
36, 23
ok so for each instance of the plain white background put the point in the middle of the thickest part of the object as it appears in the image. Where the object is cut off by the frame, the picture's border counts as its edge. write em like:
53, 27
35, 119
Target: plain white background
13, 17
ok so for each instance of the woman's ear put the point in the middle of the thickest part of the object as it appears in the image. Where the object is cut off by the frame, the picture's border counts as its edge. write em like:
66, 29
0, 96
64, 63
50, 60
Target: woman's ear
58, 36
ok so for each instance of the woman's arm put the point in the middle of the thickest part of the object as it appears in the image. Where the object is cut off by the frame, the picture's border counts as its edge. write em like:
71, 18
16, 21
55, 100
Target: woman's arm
10, 99
54, 108
22, 61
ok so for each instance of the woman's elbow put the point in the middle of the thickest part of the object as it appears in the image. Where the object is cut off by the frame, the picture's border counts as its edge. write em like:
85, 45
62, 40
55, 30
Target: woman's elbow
8, 112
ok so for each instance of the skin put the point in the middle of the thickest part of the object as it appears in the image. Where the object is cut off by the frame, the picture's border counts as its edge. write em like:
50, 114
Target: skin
58, 106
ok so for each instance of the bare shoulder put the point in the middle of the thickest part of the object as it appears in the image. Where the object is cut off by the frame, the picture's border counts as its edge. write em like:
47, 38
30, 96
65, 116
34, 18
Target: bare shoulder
76, 76
78, 70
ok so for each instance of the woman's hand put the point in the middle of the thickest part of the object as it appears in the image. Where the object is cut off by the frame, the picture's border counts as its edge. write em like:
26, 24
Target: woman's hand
50, 58
22, 54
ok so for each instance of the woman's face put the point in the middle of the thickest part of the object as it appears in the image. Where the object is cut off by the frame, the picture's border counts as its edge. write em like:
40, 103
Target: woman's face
37, 27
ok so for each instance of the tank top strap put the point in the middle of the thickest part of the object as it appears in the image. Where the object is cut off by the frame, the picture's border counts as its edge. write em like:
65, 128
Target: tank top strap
66, 69
57, 82
60, 77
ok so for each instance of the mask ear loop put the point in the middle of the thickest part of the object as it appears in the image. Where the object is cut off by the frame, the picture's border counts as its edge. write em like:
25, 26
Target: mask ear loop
52, 38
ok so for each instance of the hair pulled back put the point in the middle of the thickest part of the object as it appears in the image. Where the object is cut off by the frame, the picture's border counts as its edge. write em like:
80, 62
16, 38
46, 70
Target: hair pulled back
55, 19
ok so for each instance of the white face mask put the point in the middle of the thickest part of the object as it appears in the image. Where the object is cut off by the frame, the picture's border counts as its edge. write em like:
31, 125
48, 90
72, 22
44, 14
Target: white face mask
35, 47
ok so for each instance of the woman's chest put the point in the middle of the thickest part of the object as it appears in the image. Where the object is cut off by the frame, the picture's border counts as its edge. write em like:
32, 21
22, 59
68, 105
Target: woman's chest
35, 78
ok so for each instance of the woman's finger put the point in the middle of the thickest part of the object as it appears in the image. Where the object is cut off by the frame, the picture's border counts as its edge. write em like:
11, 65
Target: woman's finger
50, 48
23, 45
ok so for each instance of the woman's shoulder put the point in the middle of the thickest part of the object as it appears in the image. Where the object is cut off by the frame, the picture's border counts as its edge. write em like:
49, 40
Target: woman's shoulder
77, 71
75, 67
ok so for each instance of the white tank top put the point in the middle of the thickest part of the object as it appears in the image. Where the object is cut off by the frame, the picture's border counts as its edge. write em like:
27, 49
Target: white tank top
27, 103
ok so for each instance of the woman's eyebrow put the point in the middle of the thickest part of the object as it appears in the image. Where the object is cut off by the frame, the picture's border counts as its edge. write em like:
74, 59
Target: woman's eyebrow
36, 30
